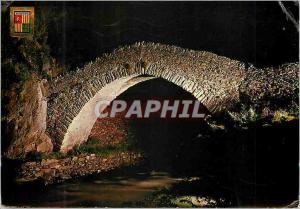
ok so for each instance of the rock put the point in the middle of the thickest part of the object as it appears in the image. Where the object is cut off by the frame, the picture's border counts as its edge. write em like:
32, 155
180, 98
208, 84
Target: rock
46, 145
31, 124
57, 170
65, 177
44, 162
190, 201
193, 179
48, 161
31, 164
183, 202
38, 174
49, 173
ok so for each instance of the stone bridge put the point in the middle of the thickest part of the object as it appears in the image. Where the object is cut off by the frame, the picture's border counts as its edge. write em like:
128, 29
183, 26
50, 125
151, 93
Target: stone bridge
216, 81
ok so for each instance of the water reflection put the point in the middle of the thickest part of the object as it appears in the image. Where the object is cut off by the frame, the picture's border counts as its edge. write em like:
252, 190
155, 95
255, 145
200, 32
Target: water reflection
111, 190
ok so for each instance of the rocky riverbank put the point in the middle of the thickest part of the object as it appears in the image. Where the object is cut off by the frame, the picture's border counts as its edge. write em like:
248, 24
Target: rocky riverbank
58, 170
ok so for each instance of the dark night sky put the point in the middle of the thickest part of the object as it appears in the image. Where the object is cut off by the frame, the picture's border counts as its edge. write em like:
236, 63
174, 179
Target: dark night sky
253, 32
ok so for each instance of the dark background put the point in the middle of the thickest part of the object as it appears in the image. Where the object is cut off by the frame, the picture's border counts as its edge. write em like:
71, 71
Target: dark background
255, 32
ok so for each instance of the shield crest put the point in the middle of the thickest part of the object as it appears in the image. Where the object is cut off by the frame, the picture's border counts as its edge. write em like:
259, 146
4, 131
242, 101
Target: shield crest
22, 21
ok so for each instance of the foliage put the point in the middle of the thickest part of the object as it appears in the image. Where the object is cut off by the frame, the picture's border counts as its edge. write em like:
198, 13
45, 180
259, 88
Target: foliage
21, 57
91, 147
280, 116
244, 114
84, 148
56, 155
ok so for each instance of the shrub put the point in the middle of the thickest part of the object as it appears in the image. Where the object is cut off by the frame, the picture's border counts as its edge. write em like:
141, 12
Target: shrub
34, 156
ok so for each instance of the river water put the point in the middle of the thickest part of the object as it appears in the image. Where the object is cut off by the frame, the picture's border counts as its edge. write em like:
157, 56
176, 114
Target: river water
110, 191
137, 186
229, 171
126, 187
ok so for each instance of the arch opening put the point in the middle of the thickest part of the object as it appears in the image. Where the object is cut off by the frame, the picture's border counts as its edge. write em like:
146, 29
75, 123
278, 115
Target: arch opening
163, 141
81, 126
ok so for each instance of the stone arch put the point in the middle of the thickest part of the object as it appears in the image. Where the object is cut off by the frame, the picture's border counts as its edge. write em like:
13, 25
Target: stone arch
214, 80
71, 95
80, 127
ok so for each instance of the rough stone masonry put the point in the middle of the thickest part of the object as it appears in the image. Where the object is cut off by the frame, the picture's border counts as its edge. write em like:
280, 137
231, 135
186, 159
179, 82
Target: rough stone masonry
216, 81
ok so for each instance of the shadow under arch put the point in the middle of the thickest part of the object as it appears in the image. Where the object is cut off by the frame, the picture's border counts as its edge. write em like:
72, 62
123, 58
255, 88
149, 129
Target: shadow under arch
81, 126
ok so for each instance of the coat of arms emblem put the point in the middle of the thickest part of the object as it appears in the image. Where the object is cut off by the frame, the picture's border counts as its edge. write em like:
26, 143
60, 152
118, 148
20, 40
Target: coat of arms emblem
21, 21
